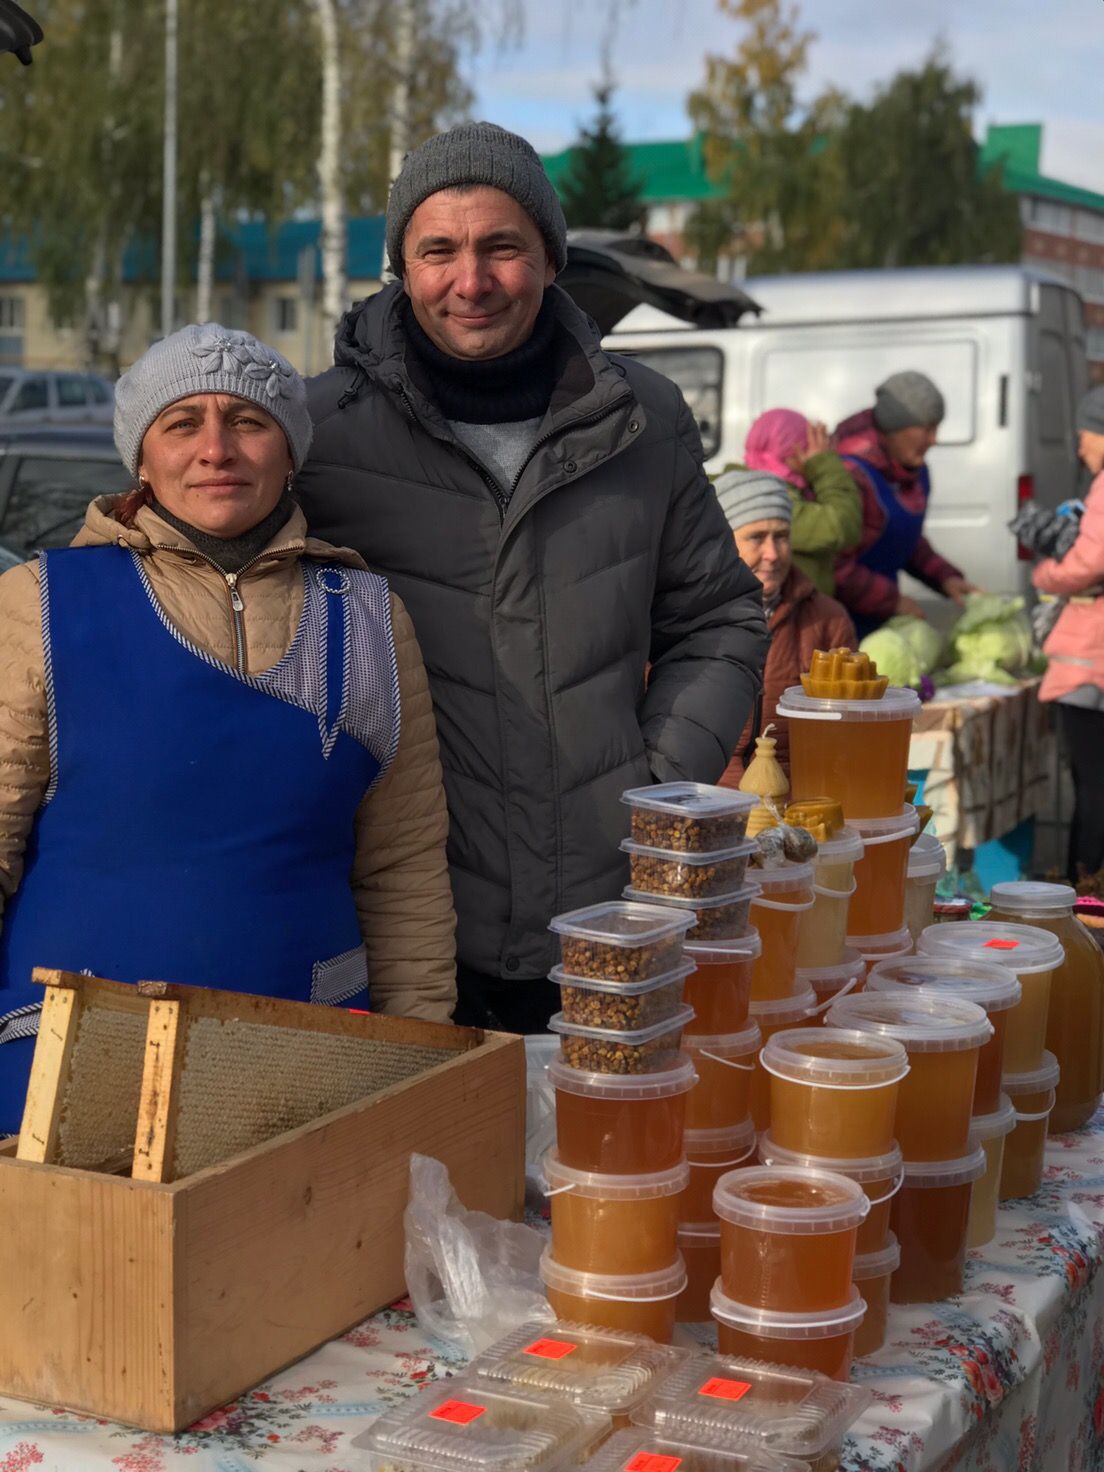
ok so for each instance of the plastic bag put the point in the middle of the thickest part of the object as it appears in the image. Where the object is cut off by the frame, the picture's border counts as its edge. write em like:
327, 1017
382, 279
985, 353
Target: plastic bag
471, 1278
540, 1113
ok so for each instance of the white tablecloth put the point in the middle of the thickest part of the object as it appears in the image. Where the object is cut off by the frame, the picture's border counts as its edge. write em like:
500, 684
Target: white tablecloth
1007, 1378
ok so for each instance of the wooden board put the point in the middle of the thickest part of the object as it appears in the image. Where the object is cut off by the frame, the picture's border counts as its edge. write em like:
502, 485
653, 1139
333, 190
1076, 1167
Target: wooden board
86, 1297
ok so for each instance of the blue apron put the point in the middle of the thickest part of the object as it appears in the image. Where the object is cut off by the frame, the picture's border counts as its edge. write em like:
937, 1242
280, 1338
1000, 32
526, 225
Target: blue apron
199, 823
896, 545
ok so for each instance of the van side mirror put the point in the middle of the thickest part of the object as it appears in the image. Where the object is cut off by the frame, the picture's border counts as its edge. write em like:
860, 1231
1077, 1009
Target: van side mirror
18, 31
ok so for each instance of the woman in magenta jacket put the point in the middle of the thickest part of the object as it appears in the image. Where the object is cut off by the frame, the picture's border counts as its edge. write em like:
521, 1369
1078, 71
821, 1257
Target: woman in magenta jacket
1075, 648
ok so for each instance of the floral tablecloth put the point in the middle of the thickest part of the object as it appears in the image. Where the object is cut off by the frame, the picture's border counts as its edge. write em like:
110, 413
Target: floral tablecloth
1007, 1378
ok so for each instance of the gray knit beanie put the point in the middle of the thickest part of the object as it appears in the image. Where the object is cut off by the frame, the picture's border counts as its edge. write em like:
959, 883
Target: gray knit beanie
476, 153
907, 399
1090, 411
753, 495
209, 359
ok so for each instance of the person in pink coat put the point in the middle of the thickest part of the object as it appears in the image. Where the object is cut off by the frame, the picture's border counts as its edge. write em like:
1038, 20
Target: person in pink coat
1075, 648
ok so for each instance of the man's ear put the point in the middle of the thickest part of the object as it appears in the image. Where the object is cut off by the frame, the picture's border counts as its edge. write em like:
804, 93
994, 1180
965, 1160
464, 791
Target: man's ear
549, 267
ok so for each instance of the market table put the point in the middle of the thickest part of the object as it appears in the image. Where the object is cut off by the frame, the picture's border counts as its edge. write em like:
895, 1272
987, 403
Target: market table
984, 754
1009, 1377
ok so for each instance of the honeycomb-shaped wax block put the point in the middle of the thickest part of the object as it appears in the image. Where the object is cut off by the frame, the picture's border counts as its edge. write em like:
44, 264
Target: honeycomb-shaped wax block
842, 674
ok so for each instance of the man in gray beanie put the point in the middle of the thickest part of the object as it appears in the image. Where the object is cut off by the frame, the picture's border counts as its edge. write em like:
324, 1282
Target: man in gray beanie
758, 507
541, 508
886, 448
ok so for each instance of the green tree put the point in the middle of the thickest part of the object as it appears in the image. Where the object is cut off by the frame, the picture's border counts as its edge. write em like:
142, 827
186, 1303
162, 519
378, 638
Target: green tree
763, 146
599, 188
80, 131
913, 190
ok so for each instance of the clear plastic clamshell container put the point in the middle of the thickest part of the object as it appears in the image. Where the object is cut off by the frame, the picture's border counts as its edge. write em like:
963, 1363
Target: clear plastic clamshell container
689, 817
603, 1369
720, 917
627, 1050
616, 941
642, 1450
797, 1413
688, 875
469, 1425
621, 1005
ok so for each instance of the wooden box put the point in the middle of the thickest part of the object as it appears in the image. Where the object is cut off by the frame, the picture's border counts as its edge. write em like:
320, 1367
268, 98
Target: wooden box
152, 1302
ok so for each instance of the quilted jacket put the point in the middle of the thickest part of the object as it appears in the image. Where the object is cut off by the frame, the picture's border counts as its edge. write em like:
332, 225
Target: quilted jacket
539, 607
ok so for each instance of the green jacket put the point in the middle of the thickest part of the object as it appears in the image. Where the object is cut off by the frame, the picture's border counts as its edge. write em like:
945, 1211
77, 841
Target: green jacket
828, 524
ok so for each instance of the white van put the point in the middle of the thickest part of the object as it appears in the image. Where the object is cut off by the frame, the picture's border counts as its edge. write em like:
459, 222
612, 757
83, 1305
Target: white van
1005, 345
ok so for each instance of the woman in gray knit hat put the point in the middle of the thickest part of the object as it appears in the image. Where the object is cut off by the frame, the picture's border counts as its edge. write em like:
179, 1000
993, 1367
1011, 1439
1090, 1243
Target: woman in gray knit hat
759, 508
218, 759
885, 449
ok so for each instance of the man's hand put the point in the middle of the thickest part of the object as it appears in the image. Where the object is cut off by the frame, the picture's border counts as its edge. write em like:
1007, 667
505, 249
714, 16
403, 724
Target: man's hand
956, 589
816, 442
909, 606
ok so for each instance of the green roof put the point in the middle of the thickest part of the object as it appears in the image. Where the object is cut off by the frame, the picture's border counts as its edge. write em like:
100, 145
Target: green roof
1018, 146
674, 168
669, 169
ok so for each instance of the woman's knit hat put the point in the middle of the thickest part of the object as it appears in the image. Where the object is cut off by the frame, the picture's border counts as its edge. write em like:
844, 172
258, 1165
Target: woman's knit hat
476, 153
209, 359
753, 495
907, 399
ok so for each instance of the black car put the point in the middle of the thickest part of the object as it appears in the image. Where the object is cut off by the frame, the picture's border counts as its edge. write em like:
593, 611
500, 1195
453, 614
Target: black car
48, 475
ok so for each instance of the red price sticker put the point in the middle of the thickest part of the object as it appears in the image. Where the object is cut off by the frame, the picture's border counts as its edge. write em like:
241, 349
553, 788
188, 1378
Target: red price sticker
721, 1389
550, 1349
459, 1412
652, 1462
1000, 945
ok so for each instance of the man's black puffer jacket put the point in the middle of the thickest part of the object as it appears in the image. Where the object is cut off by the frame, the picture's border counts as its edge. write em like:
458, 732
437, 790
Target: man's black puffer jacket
538, 615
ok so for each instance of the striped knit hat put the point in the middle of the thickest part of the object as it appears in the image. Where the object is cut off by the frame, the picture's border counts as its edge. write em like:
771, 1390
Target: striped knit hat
753, 495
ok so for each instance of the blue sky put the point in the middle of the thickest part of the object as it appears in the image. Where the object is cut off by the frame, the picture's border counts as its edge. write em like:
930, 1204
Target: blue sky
1036, 60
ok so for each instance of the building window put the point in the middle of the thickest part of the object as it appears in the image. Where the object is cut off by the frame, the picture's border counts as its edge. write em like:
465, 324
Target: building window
1090, 283
1057, 219
1094, 344
1089, 225
12, 321
12, 316
285, 314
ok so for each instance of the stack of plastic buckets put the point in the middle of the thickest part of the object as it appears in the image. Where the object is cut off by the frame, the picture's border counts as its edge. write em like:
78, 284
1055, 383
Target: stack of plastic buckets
1030, 1073
618, 1177
997, 991
688, 849
943, 1036
779, 999
855, 750
621, 1083
927, 863
833, 1107
1075, 1019
824, 960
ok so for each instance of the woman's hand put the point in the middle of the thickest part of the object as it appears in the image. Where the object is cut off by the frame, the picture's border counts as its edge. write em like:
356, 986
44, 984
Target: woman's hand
909, 606
816, 442
956, 589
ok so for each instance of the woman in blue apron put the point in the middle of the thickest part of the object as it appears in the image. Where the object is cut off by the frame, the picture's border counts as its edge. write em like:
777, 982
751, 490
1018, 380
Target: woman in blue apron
218, 764
885, 449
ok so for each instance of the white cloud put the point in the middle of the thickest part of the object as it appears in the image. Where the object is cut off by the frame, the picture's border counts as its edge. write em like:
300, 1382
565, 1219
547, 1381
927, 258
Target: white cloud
1031, 57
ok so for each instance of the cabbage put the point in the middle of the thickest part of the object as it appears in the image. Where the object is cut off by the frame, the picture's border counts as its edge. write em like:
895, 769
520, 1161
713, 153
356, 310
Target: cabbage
925, 642
893, 655
991, 640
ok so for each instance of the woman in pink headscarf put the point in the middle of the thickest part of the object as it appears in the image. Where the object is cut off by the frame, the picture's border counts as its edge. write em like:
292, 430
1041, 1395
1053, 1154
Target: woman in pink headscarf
827, 512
